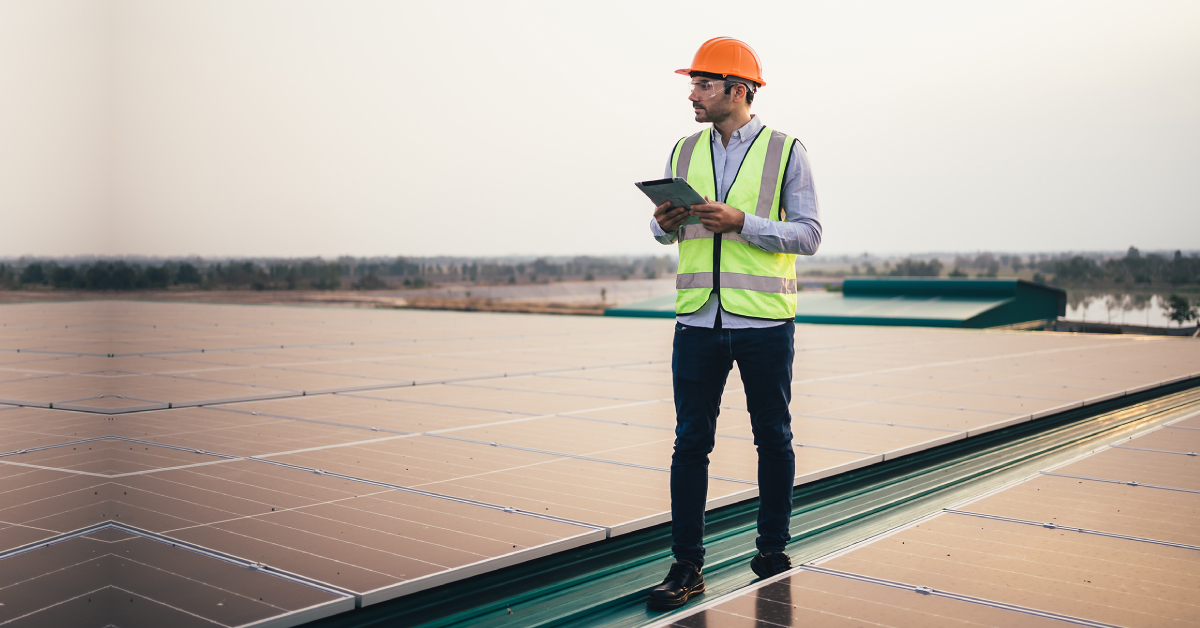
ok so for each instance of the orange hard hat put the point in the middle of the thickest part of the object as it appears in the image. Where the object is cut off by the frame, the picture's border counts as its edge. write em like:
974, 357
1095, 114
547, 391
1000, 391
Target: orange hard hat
727, 56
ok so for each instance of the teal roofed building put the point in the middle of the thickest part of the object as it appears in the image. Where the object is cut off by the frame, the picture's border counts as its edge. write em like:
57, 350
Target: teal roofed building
910, 301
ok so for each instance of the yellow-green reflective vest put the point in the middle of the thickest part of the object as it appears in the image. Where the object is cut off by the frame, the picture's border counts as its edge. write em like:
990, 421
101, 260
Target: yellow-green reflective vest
749, 281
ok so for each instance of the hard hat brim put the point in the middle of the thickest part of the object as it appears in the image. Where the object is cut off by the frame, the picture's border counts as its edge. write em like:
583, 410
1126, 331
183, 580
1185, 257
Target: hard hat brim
688, 72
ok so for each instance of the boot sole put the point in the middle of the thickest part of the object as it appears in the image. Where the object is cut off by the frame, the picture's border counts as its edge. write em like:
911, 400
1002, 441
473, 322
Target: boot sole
666, 605
760, 574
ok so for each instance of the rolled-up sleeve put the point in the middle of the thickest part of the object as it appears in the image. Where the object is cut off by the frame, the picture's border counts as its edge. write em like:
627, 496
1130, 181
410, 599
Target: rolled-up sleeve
801, 233
662, 236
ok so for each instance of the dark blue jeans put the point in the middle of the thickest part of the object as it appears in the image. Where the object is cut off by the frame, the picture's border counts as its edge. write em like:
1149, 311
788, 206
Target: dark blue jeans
700, 364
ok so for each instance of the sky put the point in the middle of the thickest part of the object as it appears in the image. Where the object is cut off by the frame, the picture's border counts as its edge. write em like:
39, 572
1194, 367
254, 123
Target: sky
351, 127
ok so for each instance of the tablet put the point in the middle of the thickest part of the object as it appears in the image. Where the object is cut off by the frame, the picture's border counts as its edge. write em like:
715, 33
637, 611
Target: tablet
676, 190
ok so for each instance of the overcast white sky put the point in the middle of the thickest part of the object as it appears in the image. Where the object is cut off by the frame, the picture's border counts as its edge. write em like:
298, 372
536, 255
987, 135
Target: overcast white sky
295, 128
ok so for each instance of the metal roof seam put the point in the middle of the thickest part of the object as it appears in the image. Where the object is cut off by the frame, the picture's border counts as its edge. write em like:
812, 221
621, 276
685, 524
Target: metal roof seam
45, 468
44, 447
317, 421
480, 567
1182, 419
960, 597
1055, 526
547, 392
579, 457
1129, 483
1157, 451
199, 549
425, 493
834, 418
810, 446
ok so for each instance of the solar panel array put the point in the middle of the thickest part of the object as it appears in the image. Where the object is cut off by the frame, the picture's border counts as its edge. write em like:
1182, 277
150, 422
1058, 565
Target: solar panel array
332, 457
1112, 539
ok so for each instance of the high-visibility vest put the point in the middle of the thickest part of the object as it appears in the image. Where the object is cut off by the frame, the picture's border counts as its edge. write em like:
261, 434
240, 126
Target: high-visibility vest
750, 281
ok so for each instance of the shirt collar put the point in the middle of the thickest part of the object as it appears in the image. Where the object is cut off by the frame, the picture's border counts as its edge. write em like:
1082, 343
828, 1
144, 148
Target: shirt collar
748, 130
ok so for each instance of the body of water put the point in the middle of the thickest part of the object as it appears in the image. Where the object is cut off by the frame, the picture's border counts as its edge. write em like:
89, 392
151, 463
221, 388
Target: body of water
1121, 308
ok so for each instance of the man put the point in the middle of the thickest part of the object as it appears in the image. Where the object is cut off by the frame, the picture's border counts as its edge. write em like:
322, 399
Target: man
735, 301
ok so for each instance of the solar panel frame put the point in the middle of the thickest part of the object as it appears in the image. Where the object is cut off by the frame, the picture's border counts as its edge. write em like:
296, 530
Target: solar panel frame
579, 409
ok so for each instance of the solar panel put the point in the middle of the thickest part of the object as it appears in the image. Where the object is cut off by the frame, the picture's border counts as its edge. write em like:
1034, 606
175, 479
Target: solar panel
378, 453
1082, 543
818, 599
120, 578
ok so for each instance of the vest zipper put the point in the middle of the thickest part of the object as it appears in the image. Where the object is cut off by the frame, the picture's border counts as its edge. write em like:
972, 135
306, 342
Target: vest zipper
717, 236
716, 282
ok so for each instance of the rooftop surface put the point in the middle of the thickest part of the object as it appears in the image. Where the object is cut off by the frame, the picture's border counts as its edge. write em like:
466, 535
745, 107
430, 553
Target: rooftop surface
1111, 539
224, 465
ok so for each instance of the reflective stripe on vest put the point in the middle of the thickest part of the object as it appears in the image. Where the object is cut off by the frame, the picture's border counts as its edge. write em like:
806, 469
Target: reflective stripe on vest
696, 230
753, 282
774, 285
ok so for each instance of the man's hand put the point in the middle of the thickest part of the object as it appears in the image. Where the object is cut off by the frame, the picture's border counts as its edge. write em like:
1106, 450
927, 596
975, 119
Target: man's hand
670, 219
719, 217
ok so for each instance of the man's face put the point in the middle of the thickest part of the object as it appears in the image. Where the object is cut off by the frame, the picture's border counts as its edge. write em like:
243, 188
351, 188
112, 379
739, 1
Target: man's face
709, 100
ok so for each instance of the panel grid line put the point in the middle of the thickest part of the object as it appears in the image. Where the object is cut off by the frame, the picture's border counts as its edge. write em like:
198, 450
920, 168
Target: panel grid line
1129, 483
960, 597
1055, 526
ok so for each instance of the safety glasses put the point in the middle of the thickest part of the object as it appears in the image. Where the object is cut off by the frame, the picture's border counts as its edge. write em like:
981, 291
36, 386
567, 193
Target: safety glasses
703, 89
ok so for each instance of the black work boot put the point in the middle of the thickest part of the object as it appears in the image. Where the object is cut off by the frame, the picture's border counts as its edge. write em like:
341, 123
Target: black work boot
682, 582
767, 565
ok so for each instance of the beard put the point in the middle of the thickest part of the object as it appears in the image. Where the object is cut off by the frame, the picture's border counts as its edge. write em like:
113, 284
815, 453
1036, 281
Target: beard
705, 114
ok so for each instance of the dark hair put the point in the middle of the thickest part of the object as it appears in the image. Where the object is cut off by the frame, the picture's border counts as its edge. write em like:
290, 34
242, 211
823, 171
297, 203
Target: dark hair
730, 80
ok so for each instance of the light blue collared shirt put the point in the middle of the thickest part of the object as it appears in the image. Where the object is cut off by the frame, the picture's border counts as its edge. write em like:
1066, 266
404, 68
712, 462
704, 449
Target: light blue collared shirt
798, 234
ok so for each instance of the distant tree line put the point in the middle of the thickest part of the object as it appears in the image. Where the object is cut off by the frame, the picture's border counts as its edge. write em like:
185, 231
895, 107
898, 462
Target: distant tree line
316, 274
917, 268
908, 267
422, 273
1134, 270
121, 275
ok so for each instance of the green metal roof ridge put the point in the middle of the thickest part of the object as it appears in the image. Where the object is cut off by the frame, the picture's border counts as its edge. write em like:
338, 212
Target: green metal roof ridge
880, 321
907, 301
942, 286
640, 313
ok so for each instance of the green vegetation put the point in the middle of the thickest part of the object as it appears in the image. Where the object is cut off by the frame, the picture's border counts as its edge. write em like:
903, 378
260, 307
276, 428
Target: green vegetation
95, 276
370, 282
1134, 270
315, 274
123, 275
914, 268
986, 265
1180, 310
